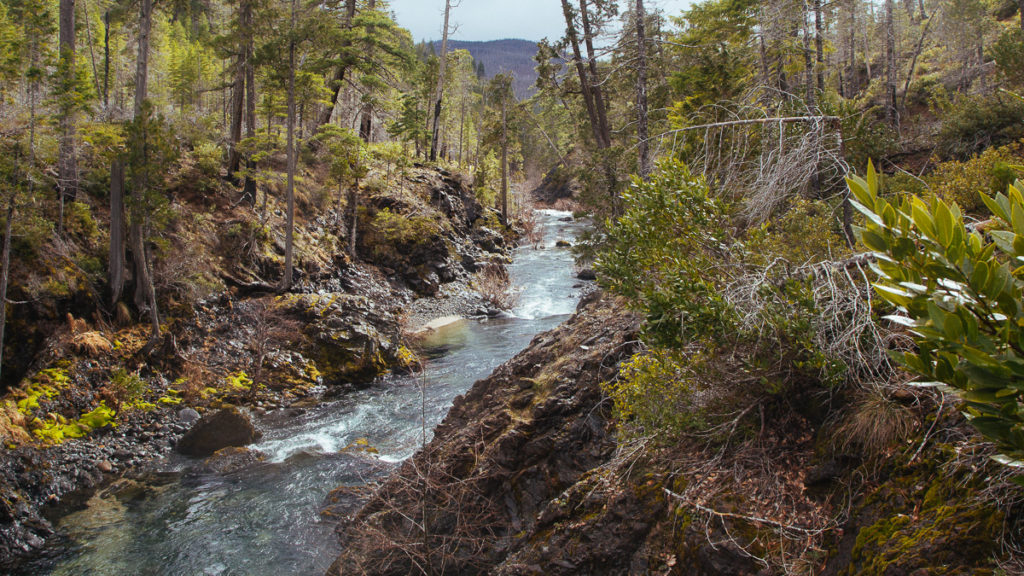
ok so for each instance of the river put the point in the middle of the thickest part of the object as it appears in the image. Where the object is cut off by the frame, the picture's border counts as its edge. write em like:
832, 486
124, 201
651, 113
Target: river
265, 519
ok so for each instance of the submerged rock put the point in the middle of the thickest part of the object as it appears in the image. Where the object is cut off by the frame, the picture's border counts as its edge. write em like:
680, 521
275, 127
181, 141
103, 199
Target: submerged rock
227, 427
230, 459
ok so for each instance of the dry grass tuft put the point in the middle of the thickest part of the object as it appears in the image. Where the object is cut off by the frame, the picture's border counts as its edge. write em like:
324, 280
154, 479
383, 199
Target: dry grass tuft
91, 343
874, 423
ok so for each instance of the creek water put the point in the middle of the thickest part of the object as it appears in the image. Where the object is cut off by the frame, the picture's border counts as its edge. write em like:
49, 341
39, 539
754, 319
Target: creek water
265, 519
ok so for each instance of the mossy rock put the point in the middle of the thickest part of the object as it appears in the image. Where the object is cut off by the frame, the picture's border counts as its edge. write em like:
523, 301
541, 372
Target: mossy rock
944, 530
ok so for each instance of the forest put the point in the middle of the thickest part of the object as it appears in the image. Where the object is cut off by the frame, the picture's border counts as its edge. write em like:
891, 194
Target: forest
805, 220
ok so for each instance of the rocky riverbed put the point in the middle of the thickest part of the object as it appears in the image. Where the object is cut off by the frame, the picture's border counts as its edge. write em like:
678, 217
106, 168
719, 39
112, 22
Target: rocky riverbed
95, 407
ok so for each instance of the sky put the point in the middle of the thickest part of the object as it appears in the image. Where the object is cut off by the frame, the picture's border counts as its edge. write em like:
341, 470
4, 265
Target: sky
496, 19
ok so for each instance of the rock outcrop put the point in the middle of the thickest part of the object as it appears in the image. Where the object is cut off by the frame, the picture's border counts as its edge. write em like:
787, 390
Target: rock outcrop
507, 448
224, 428
352, 338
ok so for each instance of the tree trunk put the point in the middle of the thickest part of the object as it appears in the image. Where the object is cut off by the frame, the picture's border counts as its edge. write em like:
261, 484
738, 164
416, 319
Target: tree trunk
819, 46
145, 293
67, 177
5, 270
338, 81
595, 84
890, 65
366, 123
353, 219
808, 65
116, 230
439, 93
504, 161
643, 147
249, 187
462, 127
577, 56
289, 231
852, 84
106, 60
235, 128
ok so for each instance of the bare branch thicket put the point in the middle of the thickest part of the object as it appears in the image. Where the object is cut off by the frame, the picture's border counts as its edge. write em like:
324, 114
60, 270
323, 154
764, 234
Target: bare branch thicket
765, 160
495, 287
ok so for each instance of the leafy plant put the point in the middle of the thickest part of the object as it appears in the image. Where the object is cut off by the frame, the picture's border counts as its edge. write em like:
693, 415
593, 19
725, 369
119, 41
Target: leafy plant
960, 294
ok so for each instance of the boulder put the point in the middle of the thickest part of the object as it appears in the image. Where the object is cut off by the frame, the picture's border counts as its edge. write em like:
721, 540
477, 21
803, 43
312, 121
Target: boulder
587, 274
352, 339
488, 239
188, 415
227, 427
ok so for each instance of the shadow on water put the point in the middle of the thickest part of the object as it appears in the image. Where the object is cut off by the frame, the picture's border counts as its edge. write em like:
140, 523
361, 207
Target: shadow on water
265, 519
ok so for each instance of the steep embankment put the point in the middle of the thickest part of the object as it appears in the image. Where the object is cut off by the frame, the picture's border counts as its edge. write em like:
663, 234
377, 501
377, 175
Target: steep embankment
95, 406
527, 475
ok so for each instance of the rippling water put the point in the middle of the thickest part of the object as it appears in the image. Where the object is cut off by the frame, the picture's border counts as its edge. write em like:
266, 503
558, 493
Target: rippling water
265, 519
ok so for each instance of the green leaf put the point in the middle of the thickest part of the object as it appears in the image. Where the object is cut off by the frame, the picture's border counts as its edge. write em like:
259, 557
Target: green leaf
994, 207
922, 219
874, 241
943, 223
872, 179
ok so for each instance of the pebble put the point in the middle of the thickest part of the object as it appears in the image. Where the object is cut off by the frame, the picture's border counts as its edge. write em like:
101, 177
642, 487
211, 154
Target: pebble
105, 466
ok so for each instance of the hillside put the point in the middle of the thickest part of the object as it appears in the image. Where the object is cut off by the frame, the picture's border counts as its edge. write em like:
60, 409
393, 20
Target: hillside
508, 55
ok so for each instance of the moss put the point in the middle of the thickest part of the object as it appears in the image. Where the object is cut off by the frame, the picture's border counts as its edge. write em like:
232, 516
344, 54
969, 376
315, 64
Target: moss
46, 385
98, 417
239, 380
56, 429
946, 531
169, 401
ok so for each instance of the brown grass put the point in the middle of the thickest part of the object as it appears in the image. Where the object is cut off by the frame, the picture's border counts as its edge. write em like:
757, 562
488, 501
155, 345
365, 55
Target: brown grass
495, 286
91, 343
874, 423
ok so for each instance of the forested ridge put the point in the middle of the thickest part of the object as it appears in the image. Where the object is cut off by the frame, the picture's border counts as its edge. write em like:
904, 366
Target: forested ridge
808, 222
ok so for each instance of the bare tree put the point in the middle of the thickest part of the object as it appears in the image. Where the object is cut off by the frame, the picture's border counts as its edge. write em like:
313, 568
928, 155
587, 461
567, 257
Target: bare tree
67, 169
643, 149
439, 92
289, 238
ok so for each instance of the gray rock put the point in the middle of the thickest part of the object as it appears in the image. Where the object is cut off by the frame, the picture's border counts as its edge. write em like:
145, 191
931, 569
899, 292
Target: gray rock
227, 427
187, 415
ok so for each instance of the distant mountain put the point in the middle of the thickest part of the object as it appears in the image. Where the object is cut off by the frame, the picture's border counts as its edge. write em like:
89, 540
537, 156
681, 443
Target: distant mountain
510, 55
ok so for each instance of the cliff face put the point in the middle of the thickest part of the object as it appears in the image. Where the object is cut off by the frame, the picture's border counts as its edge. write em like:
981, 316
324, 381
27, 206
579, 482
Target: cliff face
527, 475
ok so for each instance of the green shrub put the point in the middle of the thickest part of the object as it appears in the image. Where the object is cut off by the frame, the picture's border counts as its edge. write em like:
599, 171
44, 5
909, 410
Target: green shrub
1008, 52
971, 124
959, 292
654, 389
960, 182
726, 318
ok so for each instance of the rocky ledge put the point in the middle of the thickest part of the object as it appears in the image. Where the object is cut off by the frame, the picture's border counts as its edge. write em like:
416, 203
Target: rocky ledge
505, 451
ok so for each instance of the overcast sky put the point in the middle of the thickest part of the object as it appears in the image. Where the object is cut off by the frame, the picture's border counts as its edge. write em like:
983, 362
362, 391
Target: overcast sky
495, 19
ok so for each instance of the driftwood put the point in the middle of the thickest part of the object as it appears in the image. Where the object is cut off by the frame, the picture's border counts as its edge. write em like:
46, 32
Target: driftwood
245, 289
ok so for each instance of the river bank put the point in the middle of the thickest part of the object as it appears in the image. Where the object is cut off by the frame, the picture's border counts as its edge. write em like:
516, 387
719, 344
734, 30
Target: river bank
310, 443
97, 404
